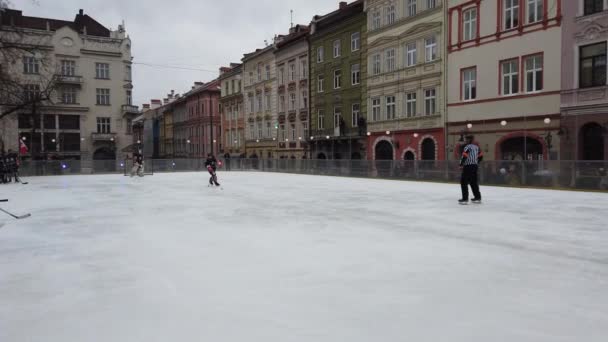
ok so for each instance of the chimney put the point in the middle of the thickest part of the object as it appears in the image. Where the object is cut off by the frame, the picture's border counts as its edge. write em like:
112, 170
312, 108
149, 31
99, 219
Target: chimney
343, 4
198, 84
81, 12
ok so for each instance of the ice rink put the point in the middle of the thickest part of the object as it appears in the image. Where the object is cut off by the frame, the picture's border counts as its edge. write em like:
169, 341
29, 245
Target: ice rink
276, 257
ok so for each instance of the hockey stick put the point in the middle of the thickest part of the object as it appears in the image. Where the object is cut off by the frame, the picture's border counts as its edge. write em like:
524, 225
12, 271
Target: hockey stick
3, 200
15, 216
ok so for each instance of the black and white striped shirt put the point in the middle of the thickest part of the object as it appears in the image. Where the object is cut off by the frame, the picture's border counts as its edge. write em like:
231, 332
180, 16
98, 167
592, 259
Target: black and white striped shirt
471, 155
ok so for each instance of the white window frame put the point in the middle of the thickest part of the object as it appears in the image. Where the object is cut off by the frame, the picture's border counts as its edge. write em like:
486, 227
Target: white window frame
430, 49
68, 67
513, 11
321, 119
411, 51
391, 59
304, 104
267, 72
469, 24
469, 83
337, 116
391, 14
376, 109
292, 72
376, 64
411, 8
355, 74
430, 4
293, 132
68, 95
282, 75
337, 48
536, 72
355, 112
512, 76
391, 107
355, 41
102, 71
292, 101
411, 104
534, 9
102, 96
337, 79
320, 54
104, 125
376, 20
304, 69
430, 101
31, 65
320, 83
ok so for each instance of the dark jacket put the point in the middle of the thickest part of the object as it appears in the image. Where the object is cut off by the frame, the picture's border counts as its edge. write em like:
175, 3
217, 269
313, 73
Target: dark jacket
211, 161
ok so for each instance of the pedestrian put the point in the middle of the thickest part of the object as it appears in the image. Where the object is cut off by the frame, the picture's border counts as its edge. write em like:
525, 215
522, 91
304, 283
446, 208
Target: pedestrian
472, 155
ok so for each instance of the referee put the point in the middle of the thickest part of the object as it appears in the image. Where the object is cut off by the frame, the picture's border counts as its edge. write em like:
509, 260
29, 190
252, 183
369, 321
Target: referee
469, 163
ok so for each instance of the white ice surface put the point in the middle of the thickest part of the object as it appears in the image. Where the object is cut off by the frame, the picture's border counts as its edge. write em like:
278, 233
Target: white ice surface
285, 258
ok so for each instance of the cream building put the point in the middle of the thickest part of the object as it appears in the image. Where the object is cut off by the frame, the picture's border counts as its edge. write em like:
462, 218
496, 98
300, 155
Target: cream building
233, 114
504, 72
260, 96
91, 112
405, 82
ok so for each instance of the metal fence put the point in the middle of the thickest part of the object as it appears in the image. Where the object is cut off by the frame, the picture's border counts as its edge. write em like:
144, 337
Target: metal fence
583, 175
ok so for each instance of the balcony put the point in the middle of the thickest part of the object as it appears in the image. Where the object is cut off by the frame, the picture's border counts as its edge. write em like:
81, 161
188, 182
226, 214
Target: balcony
64, 79
129, 110
346, 132
103, 137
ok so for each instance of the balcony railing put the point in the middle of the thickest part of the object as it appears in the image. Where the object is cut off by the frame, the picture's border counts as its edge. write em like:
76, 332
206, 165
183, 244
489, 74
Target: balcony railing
103, 137
130, 110
346, 132
64, 79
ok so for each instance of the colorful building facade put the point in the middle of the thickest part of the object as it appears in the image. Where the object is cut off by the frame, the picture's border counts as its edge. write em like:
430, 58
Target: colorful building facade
233, 114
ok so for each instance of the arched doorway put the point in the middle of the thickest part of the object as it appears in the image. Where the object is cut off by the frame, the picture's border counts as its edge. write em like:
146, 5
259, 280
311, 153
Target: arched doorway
104, 153
321, 156
384, 150
517, 148
592, 142
409, 155
428, 149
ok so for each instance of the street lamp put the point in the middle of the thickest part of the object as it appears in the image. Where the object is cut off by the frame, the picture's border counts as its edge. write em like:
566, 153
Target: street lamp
503, 123
415, 135
388, 132
469, 126
547, 121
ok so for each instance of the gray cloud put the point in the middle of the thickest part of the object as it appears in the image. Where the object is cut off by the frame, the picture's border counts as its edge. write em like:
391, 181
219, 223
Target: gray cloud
197, 34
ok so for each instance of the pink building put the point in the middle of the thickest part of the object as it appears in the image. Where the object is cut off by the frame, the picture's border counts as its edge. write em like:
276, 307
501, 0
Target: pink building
203, 120
584, 100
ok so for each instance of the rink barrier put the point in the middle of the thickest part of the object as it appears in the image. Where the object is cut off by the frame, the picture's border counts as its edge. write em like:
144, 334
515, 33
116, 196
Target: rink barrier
579, 175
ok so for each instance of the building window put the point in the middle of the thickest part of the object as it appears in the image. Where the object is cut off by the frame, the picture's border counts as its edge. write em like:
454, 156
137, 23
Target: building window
592, 65
355, 41
260, 129
511, 14
410, 105
293, 132
251, 77
431, 49
321, 119
337, 116
103, 96
267, 72
411, 8
268, 129
321, 83
102, 71
260, 108
376, 64
391, 108
430, 4
304, 68
390, 15
103, 125
533, 67
510, 77
251, 104
469, 84
376, 110
128, 73
469, 18
31, 65
320, 54
129, 126
68, 95
304, 99
390, 60
292, 101
356, 111
292, 72
430, 102
411, 53
376, 20
282, 133
259, 72
305, 128
337, 48
535, 11
282, 103
268, 104
337, 79
282, 75
593, 6
355, 74
68, 68
129, 97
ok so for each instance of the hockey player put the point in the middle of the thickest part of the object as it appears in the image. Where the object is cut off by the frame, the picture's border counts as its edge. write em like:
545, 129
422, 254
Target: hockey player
469, 163
138, 165
211, 164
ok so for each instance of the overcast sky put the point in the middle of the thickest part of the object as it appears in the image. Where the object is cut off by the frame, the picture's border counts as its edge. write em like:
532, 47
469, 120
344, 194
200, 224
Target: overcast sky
198, 34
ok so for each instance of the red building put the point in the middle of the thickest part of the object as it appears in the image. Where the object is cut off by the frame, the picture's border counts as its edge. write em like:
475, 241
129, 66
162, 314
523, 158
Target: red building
202, 125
